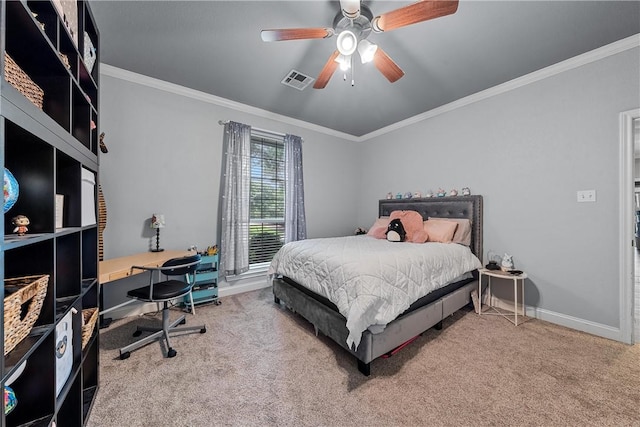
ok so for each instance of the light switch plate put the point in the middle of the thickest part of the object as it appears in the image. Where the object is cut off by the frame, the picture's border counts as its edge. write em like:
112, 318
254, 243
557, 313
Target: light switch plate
587, 196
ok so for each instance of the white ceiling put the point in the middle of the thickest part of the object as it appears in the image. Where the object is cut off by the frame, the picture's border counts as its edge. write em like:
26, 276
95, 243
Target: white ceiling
215, 47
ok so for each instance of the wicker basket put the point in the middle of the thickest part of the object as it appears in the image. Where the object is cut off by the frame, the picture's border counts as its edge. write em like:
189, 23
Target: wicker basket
21, 81
89, 317
18, 292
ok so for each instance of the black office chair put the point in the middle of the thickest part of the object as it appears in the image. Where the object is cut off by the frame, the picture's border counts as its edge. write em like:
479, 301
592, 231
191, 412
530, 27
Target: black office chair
163, 291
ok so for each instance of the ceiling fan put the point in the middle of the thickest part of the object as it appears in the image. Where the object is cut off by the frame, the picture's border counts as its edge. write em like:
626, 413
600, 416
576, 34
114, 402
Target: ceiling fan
353, 24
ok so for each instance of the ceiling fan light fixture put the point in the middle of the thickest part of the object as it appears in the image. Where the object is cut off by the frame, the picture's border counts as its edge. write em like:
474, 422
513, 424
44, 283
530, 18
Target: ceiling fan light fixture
344, 62
347, 42
367, 50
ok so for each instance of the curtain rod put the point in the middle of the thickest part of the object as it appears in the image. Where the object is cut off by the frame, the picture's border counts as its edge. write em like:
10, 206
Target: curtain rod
224, 122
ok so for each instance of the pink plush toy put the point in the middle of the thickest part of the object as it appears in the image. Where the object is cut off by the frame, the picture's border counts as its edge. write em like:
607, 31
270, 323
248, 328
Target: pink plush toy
413, 225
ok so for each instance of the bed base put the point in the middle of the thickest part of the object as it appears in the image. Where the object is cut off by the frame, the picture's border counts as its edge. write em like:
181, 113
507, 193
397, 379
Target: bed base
408, 325
333, 324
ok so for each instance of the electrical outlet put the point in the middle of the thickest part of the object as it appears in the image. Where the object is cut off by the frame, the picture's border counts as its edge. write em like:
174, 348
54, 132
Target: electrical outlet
587, 196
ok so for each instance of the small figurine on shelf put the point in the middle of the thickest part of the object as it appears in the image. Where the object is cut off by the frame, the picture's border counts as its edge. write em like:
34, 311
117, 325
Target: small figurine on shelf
360, 231
399, 195
417, 195
408, 195
389, 195
453, 192
21, 223
466, 191
429, 194
441, 193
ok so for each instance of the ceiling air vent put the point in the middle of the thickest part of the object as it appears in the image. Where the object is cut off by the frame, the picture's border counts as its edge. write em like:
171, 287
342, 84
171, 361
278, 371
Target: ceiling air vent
297, 80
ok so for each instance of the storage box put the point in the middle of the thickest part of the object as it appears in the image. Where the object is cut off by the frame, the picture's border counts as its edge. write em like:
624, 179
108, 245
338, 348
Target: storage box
22, 82
89, 317
18, 292
64, 351
88, 197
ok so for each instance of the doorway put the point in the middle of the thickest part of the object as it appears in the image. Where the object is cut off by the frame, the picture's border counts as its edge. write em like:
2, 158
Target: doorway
636, 186
629, 287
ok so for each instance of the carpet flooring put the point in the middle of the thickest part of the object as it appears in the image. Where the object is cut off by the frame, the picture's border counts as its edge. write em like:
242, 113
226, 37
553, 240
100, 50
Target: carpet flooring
261, 365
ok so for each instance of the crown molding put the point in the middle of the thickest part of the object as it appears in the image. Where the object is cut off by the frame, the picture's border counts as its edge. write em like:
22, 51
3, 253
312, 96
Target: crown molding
130, 76
614, 48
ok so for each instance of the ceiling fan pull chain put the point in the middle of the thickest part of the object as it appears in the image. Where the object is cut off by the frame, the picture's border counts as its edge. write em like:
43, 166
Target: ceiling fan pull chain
353, 73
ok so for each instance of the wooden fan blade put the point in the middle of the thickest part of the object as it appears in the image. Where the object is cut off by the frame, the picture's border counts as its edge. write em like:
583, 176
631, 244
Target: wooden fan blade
387, 66
295, 34
327, 71
414, 13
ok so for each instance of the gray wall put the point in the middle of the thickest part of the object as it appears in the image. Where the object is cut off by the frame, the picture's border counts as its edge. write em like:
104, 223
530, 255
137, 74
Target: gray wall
528, 151
165, 153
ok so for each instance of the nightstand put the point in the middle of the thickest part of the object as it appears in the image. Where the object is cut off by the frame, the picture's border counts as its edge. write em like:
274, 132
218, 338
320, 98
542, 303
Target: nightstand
504, 276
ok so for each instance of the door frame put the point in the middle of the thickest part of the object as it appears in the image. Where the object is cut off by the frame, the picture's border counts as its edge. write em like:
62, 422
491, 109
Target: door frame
626, 227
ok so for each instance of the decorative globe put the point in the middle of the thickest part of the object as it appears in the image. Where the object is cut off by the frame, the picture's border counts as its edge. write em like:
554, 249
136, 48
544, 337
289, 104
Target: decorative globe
11, 190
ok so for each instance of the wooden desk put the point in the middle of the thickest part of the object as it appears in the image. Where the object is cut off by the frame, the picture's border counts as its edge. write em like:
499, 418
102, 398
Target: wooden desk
119, 268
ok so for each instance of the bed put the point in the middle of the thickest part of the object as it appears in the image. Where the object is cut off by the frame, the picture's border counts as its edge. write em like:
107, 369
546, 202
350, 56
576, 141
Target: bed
424, 313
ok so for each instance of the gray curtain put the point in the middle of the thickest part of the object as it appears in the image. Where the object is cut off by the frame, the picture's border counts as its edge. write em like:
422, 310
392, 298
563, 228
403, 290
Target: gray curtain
234, 237
294, 218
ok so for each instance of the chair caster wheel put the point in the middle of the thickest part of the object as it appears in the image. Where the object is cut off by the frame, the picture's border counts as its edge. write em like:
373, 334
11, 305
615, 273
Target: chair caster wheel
125, 355
137, 333
218, 302
203, 330
171, 353
183, 321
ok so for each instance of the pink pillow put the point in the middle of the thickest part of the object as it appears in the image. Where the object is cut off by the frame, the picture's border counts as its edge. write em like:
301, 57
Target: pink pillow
440, 230
379, 228
463, 231
412, 223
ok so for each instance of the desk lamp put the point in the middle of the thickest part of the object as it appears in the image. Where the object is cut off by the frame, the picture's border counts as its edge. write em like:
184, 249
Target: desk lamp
157, 222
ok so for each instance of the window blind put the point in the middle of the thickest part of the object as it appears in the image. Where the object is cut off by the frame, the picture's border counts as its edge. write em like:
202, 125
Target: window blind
267, 197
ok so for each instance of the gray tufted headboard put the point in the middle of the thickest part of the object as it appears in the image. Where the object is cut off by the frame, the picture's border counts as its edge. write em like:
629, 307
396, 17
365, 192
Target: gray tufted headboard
469, 207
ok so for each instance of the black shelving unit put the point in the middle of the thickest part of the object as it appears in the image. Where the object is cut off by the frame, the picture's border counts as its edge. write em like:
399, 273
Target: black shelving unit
46, 148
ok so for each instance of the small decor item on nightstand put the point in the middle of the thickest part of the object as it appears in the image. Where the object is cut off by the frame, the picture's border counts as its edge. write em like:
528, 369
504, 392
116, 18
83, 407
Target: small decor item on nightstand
157, 222
212, 250
492, 265
466, 191
507, 262
21, 223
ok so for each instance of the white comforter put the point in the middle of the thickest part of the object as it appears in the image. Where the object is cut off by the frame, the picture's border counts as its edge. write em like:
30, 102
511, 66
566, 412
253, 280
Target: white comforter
371, 281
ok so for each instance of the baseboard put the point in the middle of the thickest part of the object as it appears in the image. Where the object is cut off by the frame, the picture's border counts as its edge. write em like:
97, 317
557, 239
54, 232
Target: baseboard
226, 289
593, 328
134, 309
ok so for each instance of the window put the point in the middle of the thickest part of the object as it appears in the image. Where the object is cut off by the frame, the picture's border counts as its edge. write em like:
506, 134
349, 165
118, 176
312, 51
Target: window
266, 197
262, 197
